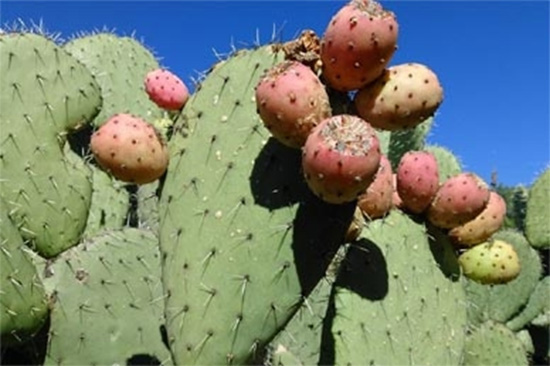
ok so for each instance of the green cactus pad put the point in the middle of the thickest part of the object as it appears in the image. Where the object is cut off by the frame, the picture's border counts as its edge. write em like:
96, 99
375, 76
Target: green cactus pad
119, 65
494, 344
244, 240
107, 302
447, 162
537, 228
397, 299
147, 206
501, 302
538, 304
408, 140
23, 305
44, 93
110, 204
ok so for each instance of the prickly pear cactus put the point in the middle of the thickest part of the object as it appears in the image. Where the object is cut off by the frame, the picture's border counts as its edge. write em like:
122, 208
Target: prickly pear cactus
447, 163
538, 305
107, 304
23, 305
243, 239
397, 299
407, 140
119, 65
537, 229
48, 93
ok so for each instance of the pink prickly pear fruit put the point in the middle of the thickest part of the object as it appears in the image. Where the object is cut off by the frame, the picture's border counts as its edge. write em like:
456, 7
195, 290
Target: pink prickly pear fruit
483, 226
340, 158
291, 100
396, 200
403, 97
166, 89
358, 44
458, 200
417, 180
376, 201
130, 149
494, 262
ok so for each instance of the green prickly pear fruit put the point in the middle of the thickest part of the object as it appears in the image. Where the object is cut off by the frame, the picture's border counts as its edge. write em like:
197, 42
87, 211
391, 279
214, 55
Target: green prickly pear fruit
130, 149
458, 200
291, 100
403, 97
376, 201
483, 225
493, 262
340, 158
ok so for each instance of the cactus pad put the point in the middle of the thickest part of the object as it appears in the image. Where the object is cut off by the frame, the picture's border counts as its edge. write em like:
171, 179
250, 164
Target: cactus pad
537, 228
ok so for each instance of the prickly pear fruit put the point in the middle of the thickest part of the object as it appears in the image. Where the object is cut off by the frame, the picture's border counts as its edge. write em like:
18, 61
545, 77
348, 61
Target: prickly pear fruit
356, 226
493, 262
358, 44
291, 100
340, 158
483, 225
166, 89
130, 149
458, 200
396, 200
403, 97
376, 201
417, 180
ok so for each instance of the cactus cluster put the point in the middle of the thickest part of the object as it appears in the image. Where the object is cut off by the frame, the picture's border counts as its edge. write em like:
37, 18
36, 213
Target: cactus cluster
289, 211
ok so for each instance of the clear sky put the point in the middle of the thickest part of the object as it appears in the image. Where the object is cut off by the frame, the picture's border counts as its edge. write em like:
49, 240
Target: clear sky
491, 57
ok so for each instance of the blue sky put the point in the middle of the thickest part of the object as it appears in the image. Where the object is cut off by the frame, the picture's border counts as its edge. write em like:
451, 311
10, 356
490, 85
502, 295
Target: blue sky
491, 57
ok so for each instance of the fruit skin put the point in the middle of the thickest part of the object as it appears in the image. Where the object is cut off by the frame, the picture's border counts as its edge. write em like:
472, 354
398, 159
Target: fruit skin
376, 201
340, 158
417, 180
488, 222
403, 97
291, 100
396, 200
458, 200
358, 44
493, 262
130, 149
166, 89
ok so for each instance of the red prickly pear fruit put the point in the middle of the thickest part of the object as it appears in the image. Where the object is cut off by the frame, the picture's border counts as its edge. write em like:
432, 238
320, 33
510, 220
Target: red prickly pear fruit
358, 44
291, 100
396, 200
483, 226
417, 180
495, 262
130, 149
403, 97
340, 158
376, 201
166, 90
458, 200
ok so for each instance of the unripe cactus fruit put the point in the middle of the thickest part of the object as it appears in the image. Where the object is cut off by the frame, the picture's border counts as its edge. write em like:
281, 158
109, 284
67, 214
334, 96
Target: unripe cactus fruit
490, 263
403, 97
166, 89
130, 149
417, 180
340, 158
291, 100
483, 225
376, 201
458, 200
358, 44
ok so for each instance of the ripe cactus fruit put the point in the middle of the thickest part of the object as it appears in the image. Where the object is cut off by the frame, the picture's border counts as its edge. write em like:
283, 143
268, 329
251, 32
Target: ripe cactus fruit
340, 158
492, 262
291, 100
396, 200
130, 149
417, 180
483, 225
403, 97
458, 200
376, 201
166, 89
358, 44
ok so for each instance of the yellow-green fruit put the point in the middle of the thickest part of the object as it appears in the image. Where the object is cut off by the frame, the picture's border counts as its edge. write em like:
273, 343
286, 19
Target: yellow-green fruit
490, 263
